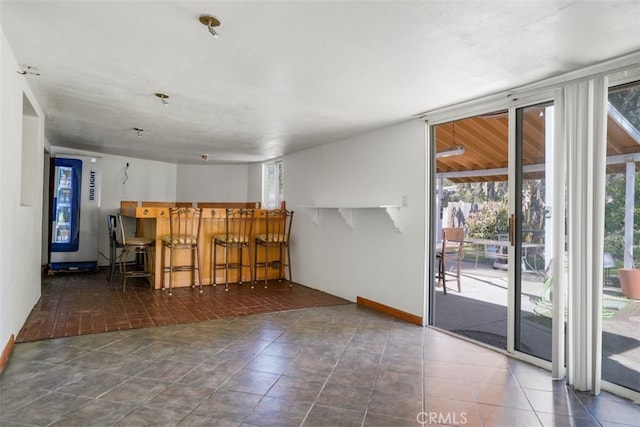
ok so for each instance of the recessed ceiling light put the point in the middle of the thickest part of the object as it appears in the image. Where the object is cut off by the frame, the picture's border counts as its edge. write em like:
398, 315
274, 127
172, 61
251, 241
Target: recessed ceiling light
163, 97
211, 22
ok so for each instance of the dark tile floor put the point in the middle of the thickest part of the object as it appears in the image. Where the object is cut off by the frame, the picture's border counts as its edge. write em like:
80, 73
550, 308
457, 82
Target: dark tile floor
337, 364
83, 303
340, 365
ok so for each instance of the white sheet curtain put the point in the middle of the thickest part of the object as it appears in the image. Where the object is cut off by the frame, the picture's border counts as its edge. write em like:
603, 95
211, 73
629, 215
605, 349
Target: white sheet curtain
583, 125
558, 234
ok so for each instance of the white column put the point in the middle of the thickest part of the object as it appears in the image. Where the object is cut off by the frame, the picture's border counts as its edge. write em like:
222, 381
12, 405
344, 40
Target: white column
585, 125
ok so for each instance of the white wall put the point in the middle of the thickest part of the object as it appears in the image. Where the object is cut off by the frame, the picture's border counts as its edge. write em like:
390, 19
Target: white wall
20, 226
141, 180
254, 184
212, 183
159, 181
44, 257
372, 260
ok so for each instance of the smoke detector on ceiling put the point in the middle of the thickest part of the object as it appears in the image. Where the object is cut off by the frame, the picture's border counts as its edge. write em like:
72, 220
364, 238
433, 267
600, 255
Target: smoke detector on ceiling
28, 69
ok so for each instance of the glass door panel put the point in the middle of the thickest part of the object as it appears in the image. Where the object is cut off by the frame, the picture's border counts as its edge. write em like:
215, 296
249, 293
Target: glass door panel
621, 294
471, 163
65, 215
533, 287
63, 196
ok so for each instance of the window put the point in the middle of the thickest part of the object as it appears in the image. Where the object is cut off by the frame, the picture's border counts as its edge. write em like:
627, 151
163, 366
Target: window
272, 194
620, 304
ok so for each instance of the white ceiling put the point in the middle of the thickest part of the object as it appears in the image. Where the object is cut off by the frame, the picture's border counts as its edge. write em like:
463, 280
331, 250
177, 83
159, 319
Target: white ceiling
287, 75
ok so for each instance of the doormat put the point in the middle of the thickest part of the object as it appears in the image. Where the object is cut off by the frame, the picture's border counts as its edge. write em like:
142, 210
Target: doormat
489, 338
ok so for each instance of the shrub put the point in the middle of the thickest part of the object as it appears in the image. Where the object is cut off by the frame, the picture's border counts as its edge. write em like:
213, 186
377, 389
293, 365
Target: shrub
491, 219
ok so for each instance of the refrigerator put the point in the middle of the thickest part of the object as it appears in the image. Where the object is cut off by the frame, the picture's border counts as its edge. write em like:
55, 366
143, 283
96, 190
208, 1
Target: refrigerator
74, 213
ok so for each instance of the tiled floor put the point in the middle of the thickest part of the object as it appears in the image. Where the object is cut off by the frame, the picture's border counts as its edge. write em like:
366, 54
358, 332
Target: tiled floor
83, 303
340, 365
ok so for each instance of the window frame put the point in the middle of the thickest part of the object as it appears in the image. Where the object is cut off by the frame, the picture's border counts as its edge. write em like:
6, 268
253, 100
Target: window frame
267, 184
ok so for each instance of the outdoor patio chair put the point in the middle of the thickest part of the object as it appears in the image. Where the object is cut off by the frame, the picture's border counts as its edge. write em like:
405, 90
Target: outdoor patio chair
450, 251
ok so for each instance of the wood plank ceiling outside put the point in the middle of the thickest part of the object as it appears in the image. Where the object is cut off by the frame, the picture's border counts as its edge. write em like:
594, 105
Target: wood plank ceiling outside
485, 140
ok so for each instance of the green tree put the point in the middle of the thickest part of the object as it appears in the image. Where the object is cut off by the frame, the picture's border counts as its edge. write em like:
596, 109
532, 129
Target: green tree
628, 103
491, 198
614, 213
491, 220
533, 204
477, 192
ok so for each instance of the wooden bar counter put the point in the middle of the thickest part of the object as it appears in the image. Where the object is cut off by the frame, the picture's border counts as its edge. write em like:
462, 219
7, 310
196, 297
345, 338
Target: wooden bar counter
152, 221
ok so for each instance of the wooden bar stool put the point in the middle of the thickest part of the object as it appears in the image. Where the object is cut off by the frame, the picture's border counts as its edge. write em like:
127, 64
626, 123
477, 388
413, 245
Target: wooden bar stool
184, 235
238, 228
277, 233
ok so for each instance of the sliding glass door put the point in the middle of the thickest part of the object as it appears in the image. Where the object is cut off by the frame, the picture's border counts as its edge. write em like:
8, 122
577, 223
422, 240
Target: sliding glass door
532, 230
531, 187
471, 288
621, 287
498, 190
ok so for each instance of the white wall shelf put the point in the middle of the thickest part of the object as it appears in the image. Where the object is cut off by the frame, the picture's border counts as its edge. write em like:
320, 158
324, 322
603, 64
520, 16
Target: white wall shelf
348, 213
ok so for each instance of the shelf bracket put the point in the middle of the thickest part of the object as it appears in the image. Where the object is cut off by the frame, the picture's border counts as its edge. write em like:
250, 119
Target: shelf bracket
395, 214
314, 214
348, 213
349, 216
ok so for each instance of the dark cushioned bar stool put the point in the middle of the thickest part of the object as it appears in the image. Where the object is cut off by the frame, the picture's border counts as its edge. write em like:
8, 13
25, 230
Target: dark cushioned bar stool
141, 247
114, 245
